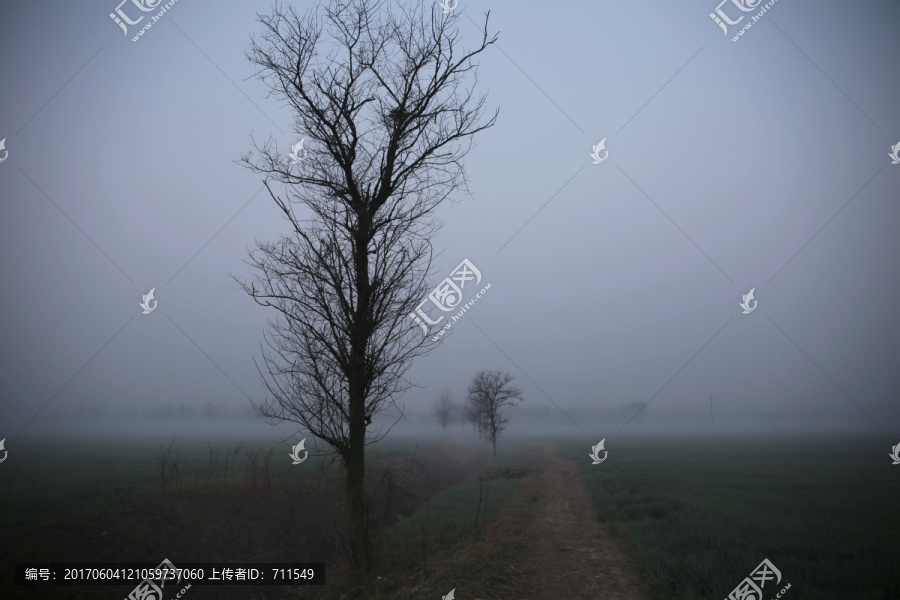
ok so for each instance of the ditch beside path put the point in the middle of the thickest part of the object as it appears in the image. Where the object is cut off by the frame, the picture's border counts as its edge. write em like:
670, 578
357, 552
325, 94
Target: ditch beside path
565, 551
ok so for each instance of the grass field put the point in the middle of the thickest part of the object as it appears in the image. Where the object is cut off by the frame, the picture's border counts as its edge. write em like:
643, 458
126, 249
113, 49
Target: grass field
70, 477
701, 515
698, 514
67, 477
95, 502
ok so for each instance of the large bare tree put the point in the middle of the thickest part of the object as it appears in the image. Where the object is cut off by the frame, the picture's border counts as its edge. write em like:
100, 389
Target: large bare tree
384, 102
444, 409
488, 393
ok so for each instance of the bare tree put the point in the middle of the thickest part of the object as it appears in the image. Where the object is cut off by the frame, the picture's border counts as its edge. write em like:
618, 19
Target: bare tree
469, 415
444, 408
488, 393
381, 100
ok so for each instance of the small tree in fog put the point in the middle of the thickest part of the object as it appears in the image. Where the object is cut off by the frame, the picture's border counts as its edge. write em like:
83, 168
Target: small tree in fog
443, 409
488, 393
469, 415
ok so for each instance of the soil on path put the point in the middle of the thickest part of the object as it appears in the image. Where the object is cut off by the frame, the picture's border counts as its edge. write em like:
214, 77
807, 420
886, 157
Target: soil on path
565, 552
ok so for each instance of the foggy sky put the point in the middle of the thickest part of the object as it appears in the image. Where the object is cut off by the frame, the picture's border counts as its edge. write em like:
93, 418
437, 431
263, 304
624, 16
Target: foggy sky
758, 164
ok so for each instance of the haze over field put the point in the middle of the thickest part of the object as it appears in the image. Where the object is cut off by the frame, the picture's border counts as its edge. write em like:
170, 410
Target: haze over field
760, 164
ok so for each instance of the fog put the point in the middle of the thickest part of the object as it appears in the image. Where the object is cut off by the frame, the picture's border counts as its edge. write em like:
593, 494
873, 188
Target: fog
615, 287
186, 424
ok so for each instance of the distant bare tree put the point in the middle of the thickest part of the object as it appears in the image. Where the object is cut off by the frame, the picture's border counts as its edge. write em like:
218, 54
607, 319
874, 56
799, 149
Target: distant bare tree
469, 415
488, 393
380, 98
444, 409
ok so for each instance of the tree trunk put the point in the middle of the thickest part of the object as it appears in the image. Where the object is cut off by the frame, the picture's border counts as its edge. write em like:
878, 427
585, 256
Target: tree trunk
356, 460
494, 441
356, 473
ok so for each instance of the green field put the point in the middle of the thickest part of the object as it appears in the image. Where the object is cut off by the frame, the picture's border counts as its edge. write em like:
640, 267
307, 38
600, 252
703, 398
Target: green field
49, 480
71, 477
701, 515
697, 514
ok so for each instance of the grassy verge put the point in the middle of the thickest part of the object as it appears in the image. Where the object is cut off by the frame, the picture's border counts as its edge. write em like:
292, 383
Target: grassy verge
454, 515
48, 483
700, 516
450, 542
504, 461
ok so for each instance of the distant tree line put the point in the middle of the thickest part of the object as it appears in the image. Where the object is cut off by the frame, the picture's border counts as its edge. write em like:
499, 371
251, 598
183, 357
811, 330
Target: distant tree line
171, 410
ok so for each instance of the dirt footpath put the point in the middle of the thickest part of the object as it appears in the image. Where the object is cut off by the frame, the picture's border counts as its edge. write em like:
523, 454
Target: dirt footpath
565, 551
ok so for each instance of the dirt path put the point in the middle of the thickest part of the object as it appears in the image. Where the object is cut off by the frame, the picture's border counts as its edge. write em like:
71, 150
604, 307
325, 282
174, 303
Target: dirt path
566, 552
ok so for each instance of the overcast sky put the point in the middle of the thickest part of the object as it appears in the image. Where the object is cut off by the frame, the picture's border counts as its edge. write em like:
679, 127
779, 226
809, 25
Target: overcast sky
759, 164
